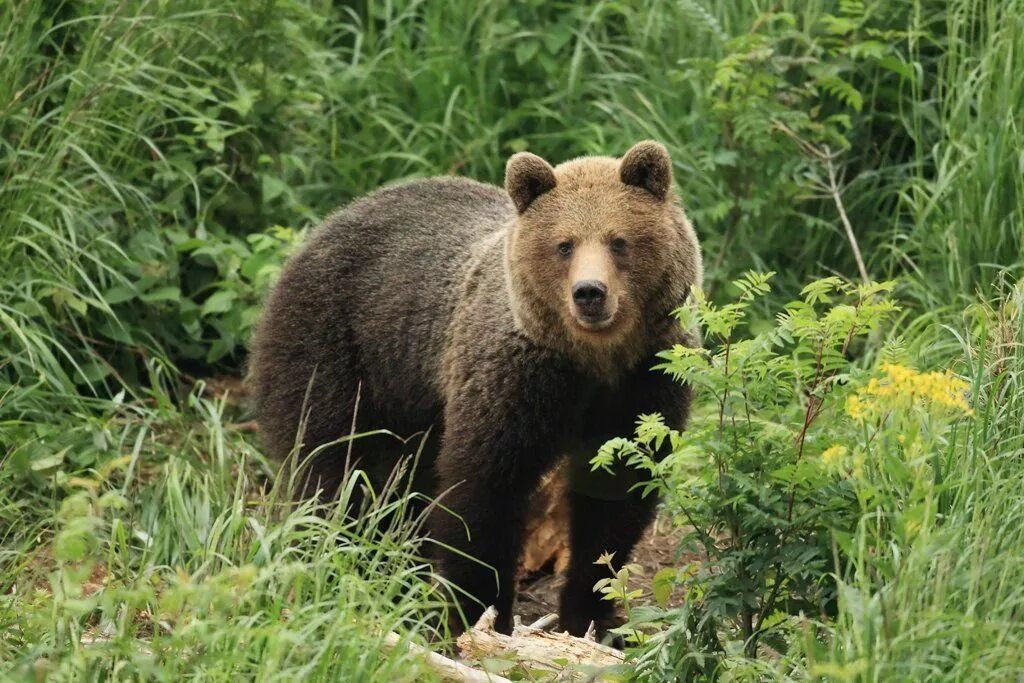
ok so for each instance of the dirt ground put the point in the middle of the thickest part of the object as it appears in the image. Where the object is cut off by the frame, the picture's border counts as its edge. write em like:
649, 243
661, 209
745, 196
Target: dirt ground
538, 591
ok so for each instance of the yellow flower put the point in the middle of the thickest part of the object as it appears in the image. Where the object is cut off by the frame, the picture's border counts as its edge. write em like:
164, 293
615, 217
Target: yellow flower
833, 454
855, 407
903, 386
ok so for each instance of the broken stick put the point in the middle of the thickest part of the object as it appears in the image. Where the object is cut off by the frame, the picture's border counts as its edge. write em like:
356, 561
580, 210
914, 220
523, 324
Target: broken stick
448, 669
533, 647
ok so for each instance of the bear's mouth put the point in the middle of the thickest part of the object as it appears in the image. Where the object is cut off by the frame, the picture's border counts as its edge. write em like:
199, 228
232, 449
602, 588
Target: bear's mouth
594, 322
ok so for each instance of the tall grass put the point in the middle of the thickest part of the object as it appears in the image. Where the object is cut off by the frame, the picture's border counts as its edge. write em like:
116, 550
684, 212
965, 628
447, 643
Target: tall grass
964, 205
144, 142
944, 602
180, 559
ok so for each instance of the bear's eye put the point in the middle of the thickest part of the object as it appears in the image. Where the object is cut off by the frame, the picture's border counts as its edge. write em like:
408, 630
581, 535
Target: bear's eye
619, 245
565, 248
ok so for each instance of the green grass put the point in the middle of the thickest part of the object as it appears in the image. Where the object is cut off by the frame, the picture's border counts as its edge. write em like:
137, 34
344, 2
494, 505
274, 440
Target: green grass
182, 559
946, 604
158, 160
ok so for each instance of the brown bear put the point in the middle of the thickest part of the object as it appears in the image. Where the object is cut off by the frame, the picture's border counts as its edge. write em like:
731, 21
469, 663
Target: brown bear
519, 326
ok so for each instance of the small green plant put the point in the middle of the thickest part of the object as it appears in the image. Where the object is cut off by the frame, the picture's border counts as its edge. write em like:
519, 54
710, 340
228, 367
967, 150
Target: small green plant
754, 478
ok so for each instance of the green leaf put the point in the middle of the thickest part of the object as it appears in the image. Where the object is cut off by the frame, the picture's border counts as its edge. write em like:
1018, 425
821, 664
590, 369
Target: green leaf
662, 584
272, 187
220, 301
525, 50
252, 266
557, 36
49, 462
119, 294
214, 138
95, 370
842, 90
161, 294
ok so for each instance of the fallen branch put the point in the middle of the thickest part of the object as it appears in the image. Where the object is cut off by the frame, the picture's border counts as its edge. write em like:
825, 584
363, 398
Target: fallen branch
535, 648
545, 623
448, 669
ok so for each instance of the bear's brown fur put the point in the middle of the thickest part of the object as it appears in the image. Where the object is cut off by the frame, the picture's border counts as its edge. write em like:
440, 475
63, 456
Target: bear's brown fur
519, 324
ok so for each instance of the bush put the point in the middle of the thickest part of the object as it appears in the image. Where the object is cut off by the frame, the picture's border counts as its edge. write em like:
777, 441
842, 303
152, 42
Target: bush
790, 454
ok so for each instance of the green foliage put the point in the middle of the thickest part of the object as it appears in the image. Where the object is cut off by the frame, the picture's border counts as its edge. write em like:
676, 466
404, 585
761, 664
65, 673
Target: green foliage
176, 561
751, 476
806, 486
143, 143
780, 94
931, 588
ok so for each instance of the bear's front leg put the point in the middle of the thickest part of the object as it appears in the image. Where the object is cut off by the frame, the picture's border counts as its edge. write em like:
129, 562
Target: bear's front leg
608, 514
481, 535
599, 526
502, 430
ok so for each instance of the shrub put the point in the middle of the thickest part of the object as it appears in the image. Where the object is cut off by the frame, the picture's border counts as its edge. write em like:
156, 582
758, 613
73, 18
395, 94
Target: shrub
771, 470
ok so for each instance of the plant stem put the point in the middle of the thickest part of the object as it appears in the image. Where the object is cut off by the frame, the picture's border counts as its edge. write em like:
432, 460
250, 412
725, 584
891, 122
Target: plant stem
837, 199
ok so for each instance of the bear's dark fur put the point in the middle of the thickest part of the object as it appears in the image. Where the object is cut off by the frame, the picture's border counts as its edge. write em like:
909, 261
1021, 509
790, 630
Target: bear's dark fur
519, 324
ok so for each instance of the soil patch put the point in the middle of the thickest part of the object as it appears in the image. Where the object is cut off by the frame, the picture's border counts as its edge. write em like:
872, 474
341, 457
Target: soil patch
538, 591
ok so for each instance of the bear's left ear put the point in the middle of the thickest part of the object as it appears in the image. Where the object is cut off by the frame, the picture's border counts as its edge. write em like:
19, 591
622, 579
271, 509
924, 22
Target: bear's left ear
527, 177
646, 165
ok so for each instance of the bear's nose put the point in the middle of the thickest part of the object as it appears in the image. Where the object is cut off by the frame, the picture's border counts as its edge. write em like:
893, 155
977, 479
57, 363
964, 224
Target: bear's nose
589, 293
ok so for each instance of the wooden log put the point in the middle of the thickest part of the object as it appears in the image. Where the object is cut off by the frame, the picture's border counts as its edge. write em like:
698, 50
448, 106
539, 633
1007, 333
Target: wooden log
534, 648
447, 669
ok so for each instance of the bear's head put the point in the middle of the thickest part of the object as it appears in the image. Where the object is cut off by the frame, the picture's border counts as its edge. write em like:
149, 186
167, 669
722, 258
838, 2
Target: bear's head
600, 253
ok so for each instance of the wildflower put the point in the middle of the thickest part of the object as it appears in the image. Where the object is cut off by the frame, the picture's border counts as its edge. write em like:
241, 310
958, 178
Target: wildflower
855, 407
905, 386
833, 454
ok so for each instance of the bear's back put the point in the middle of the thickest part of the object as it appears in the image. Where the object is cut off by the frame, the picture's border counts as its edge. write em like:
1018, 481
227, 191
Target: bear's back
416, 242
367, 303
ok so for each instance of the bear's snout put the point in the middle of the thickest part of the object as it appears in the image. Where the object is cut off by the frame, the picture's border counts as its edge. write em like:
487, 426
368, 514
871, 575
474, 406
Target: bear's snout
590, 298
590, 295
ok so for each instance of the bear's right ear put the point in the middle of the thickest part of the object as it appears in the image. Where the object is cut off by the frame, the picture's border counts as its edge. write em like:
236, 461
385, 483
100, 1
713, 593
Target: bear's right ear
527, 177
